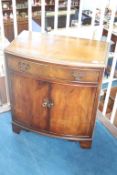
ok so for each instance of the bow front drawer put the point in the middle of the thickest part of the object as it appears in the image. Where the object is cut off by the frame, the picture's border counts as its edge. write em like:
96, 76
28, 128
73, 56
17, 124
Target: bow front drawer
53, 72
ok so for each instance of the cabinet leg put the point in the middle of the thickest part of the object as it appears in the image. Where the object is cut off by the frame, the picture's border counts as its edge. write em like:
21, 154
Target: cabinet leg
86, 144
16, 128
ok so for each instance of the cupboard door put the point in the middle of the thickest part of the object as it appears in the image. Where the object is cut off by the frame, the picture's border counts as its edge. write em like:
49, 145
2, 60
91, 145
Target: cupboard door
72, 109
39, 109
27, 98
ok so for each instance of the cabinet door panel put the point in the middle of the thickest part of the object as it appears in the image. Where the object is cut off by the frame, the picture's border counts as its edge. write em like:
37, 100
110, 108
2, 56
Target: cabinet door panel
71, 113
27, 98
39, 112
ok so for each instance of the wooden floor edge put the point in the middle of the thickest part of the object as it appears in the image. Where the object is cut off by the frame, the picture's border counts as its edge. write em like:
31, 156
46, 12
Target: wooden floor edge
112, 129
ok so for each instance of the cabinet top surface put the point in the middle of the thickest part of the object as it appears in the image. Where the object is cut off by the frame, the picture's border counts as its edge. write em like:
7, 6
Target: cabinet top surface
59, 50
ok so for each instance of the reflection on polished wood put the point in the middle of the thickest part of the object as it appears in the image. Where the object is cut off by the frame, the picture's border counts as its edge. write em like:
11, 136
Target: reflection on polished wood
59, 49
54, 84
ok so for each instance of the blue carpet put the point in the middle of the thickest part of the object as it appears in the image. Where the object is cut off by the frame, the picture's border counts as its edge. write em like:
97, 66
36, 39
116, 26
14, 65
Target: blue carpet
105, 85
32, 154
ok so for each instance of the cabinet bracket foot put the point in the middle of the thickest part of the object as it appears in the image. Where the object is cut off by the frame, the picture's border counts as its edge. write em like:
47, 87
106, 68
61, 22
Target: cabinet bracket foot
86, 144
16, 128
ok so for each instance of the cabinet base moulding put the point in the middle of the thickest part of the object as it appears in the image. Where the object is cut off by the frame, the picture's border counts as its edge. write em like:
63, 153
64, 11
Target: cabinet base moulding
84, 143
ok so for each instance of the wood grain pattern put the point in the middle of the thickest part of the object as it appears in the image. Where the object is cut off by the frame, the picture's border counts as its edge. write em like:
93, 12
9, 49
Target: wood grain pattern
59, 49
54, 72
71, 114
27, 102
54, 87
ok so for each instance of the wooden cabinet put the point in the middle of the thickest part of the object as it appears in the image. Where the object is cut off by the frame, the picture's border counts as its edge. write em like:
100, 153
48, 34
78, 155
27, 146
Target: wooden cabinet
54, 88
52, 99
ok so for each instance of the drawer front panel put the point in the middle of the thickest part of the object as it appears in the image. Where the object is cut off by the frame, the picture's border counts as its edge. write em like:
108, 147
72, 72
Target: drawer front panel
53, 72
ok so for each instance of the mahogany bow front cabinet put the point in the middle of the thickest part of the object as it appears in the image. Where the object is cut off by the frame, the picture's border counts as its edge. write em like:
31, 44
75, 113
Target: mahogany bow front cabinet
54, 84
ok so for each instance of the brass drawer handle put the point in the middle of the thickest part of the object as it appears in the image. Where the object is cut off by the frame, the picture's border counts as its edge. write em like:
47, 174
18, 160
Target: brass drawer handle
47, 103
78, 75
23, 67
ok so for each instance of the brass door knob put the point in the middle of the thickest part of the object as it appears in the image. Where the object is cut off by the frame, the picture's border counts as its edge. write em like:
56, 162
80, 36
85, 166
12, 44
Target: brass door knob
47, 103
50, 104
